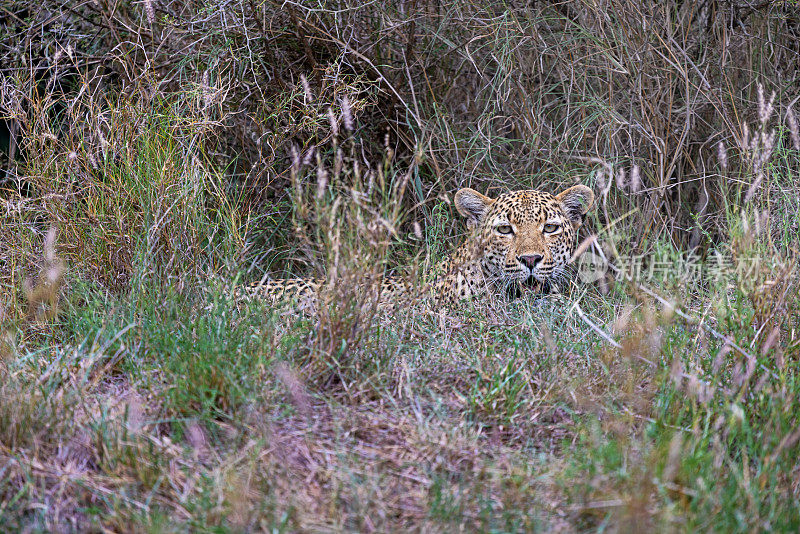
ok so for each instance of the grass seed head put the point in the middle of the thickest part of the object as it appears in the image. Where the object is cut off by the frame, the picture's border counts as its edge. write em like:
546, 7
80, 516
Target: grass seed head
794, 130
722, 156
150, 11
347, 114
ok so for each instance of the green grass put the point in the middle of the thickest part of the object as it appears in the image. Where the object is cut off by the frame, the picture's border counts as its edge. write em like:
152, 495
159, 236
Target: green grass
138, 394
486, 420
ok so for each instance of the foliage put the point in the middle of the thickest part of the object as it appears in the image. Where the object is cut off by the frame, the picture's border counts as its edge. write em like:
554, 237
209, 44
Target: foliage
158, 154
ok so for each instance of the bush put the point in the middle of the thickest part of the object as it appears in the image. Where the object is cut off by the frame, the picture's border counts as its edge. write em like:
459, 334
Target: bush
158, 155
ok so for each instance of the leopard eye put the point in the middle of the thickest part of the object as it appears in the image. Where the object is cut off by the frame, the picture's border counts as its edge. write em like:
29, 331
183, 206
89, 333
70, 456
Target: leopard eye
549, 228
505, 229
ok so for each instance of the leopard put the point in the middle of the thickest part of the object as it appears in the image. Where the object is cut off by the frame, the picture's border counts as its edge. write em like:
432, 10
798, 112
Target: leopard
520, 239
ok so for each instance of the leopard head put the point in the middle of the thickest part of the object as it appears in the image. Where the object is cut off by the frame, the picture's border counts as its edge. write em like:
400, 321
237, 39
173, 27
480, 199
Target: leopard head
524, 236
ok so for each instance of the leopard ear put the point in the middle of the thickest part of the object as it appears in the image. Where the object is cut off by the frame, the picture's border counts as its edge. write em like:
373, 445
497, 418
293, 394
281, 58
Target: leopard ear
472, 205
575, 202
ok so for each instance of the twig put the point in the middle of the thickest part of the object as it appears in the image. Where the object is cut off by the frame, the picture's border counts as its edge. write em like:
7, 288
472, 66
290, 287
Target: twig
602, 333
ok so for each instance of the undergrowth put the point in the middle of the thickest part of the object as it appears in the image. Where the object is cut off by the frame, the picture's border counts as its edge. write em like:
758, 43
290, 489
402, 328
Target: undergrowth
158, 155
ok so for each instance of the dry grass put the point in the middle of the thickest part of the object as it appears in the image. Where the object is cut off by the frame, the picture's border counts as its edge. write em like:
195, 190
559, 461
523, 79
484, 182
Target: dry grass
158, 154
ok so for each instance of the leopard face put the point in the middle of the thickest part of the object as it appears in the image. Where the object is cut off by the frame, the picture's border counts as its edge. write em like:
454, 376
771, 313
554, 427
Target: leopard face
524, 236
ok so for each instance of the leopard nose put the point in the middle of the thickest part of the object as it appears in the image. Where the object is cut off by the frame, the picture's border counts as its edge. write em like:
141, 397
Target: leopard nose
530, 260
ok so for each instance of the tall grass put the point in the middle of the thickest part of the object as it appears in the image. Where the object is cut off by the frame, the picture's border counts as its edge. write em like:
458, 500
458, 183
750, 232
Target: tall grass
159, 155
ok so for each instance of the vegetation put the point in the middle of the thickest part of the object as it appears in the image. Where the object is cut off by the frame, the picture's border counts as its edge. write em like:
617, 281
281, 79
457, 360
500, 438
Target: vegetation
158, 154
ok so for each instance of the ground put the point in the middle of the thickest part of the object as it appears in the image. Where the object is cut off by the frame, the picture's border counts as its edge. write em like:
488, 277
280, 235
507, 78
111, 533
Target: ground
156, 156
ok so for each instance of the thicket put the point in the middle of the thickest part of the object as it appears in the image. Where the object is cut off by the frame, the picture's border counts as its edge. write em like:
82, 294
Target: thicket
494, 96
156, 154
